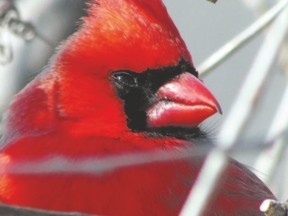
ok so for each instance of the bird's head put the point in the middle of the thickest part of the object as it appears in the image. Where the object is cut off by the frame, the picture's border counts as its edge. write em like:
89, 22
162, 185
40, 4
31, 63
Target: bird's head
127, 69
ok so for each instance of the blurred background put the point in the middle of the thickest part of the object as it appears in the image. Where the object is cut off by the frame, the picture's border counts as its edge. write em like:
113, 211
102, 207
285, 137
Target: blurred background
204, 26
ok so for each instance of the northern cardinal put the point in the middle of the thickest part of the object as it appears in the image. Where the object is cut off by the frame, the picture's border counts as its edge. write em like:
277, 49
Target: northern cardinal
123, 84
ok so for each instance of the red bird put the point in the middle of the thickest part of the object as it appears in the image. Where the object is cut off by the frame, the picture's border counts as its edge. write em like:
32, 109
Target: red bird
123, 84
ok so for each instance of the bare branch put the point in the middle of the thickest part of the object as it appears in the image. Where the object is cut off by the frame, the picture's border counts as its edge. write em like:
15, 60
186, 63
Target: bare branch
240, 40
213, 1
95, 165
237, 118
274, 208
11, 21
276, 151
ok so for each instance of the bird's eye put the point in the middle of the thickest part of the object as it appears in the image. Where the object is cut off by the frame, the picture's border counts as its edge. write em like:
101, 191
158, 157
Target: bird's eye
125, 78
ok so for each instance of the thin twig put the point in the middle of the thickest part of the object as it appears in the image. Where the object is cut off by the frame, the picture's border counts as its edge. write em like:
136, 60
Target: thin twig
274, 208
254, 83
213, 1
7, 11
237, 118
269, 159
26, 31
11, 21
203, 187
240, 40
95, 165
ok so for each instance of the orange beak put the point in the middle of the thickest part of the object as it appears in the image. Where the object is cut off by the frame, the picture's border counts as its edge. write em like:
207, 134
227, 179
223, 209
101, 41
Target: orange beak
184, 101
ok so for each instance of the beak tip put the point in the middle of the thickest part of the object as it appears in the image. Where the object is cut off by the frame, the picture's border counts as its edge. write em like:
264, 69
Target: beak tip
188, 103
